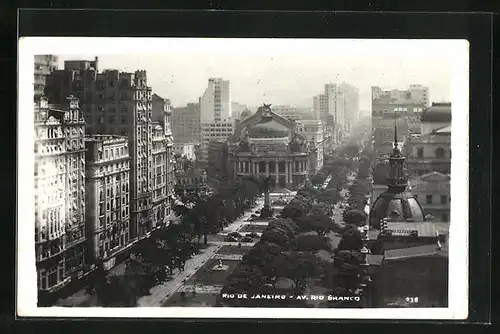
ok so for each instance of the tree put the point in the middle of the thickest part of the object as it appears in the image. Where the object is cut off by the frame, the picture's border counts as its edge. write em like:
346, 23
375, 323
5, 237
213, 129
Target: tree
354, 217
298, 266
351, 240
276, 235
311, 243
321, 224
351, 150
244, 279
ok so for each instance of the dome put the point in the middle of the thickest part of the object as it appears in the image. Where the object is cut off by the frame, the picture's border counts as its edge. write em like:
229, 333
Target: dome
396, 206
268, 129
438, 112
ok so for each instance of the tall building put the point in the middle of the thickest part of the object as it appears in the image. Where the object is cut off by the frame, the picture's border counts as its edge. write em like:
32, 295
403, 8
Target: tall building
186, 123
403, 106
215, 103
187, 150
158, 108
107, 198
116, 103
44, 65
59, 193
214, 131
267, 145
351, 105
312, 130
330, 107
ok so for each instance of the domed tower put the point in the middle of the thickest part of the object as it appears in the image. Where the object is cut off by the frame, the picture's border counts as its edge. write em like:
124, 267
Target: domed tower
396, 203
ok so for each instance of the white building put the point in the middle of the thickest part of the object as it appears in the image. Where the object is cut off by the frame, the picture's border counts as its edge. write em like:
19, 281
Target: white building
187, 150
293, 113
312, 130
215, 103
214, 131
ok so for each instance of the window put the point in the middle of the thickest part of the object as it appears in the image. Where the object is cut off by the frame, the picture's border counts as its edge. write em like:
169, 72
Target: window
420, 152
444, 199
439, 152
428, 199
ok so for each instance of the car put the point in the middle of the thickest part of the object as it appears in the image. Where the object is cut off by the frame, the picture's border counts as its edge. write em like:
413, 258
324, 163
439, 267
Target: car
246, 239
234, 235
229, 238
252, 235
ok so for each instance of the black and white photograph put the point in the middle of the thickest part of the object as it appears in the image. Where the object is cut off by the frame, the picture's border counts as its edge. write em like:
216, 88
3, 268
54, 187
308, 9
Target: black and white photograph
172, 177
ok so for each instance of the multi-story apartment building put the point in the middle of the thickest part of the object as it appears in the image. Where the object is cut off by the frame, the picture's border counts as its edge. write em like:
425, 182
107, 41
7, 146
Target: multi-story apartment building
107, 198
186, 123
159, 107
117, 103
351, 106
330, 107
312, 130
215, 131
402, 106
215, 103
59, 193
44, 65
192, 180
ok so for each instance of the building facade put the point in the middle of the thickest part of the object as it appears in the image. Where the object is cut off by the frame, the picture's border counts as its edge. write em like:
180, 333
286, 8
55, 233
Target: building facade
312, 130
44, 65
59, 194
186, 123
430, 152
215, 131
107, 197
433, 191
403, 107
267, 145
215, 103
159, 107
187, 150
192, 180
116, 103
350, 95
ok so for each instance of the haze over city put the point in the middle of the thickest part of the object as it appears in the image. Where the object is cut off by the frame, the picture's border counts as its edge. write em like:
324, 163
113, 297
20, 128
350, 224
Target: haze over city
284, 78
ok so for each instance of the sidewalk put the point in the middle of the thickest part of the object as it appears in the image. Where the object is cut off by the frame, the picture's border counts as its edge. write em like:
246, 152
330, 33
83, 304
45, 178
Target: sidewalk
160, 293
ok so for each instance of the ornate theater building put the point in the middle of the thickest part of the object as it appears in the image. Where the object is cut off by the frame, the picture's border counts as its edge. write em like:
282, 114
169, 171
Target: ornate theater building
267, 144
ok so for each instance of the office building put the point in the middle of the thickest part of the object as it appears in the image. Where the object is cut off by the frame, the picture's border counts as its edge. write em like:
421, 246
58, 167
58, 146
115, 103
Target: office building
312, 130
117, 103
293, 113
107, 197
433, 191
215, 103
44, 65
59, 194
186, 123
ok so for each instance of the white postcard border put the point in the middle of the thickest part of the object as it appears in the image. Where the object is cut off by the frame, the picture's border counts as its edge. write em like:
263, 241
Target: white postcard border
458, 51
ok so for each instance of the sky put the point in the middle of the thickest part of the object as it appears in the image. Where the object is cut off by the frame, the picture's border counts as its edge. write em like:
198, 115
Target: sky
281, 73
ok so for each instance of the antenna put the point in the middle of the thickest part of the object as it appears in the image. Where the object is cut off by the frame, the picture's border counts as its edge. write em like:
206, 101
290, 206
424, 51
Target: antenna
395, 132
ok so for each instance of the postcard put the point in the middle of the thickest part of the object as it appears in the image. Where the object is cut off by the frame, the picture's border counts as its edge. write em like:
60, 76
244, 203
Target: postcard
274, 178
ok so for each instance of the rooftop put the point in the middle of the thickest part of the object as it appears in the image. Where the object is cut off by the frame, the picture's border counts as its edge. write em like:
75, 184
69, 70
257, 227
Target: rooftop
437, 112
440, 250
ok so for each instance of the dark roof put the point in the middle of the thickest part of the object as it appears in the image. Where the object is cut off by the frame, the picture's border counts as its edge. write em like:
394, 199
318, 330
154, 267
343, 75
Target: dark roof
438, 112
268, 128
390, 202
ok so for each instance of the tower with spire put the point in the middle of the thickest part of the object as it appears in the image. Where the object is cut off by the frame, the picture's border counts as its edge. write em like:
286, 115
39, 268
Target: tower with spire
397, 203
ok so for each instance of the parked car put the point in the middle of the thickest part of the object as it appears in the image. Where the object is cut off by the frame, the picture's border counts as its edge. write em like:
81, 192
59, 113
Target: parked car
229, 238
252, 235
246, 239
235, 234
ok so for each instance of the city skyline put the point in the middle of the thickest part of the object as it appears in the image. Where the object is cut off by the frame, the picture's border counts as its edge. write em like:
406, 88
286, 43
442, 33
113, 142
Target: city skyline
284, 78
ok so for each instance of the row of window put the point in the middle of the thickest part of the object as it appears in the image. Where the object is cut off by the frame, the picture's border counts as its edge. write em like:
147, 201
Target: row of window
438, 152
443, 199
